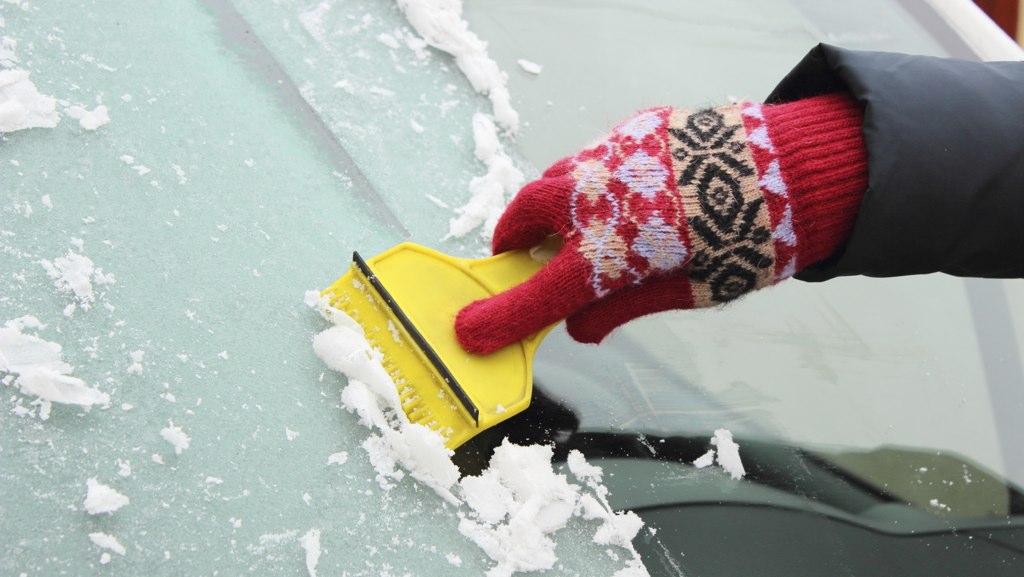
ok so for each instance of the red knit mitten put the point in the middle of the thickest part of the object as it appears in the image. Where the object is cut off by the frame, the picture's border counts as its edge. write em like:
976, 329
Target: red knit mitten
677, 210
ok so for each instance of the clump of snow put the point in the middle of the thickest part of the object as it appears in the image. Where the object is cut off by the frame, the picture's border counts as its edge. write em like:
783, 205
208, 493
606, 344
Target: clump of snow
727, 456
339, 458
372, 394
38, 369
728, 453
488, 193
108, 542
511, 509
618, 528
705, 460
416, 448
89, 119
21, 104
311, 543
174, 435
135, 368
100, 498
75, 274
519, 501
531, 67
440, 23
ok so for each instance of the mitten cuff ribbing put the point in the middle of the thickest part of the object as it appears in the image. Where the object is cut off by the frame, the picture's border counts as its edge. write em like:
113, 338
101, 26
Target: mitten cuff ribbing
819, 145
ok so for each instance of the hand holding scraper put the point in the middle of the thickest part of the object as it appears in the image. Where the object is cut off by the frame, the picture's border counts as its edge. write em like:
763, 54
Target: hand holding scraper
672, 210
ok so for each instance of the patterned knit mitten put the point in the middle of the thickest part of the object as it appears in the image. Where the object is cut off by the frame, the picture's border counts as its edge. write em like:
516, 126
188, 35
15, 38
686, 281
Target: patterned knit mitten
676, 210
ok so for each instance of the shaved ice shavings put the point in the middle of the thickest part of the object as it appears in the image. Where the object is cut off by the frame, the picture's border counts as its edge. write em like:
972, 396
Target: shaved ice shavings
531, 67
108, 542
728, 453
705, 460
488, 193
618, 528
512, 508
39, 370
176, 437
100, 498
21, 104
89, 119
311, 543
440, 23
74, 274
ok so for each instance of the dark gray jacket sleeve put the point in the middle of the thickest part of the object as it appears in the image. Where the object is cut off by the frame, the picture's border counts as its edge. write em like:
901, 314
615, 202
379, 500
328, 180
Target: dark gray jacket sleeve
945, 142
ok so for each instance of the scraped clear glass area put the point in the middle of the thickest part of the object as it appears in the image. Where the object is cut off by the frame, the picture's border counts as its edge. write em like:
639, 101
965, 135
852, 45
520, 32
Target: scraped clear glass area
253, 145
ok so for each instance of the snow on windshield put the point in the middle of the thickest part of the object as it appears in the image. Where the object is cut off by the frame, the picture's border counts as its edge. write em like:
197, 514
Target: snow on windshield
124, 367
22, 106
440, 23
511, 508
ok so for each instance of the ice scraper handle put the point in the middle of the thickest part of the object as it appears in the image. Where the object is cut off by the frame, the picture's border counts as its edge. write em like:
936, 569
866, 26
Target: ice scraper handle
677, 209
504, 271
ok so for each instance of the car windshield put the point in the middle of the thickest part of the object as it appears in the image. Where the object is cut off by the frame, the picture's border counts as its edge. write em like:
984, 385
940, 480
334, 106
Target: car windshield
867, 410
160, 260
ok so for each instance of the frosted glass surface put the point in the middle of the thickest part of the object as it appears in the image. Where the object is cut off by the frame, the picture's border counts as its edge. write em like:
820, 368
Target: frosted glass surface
241, 211
605, 60
253, 145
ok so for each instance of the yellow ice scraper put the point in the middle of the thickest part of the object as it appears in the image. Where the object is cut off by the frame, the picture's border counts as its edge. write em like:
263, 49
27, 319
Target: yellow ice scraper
406, 300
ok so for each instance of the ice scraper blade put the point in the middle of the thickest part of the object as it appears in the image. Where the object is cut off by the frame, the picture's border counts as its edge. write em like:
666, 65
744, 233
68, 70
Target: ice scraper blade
406, 300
